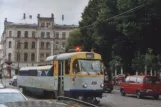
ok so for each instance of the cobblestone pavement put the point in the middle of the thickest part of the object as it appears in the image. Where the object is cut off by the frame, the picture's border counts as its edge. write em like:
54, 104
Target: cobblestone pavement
114, 99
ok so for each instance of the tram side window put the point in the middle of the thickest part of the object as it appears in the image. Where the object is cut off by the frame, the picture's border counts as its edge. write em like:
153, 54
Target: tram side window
67, 66
23, 73
32, 72
75, 66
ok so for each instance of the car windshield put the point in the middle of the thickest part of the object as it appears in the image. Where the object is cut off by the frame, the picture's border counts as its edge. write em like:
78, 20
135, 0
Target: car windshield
11, 97
150, 80
90, 66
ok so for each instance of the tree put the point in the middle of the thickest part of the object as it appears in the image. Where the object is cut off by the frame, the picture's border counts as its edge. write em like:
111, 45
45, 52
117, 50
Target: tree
74, 39
138, 62
89, 16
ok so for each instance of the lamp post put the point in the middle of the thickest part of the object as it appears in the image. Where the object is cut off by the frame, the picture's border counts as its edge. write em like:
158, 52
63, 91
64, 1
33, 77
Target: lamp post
18, 55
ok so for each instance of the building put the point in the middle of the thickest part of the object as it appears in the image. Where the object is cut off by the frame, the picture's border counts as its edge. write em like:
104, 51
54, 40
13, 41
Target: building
28, 43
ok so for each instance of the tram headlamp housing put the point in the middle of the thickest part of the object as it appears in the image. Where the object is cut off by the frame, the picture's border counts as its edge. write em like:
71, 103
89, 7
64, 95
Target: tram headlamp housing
102, 85
85, 85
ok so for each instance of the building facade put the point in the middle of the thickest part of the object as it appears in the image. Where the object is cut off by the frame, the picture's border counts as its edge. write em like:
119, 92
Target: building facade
28, 44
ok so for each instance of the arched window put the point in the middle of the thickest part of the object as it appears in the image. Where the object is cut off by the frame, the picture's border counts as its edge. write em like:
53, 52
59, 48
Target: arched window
25, 57
33, 45
47, 45
10, 44
9, 56
26, 45
42, 44
32, 57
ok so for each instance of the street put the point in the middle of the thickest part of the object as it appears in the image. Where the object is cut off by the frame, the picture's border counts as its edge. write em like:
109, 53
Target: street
113, 99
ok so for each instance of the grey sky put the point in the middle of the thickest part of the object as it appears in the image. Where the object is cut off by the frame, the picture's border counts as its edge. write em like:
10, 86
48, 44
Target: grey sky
13, 10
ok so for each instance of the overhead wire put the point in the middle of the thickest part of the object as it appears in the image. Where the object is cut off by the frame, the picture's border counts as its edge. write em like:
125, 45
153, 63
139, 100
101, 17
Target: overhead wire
126, 12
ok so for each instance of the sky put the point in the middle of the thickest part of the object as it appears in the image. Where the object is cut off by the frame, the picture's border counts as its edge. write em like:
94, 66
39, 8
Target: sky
13, 10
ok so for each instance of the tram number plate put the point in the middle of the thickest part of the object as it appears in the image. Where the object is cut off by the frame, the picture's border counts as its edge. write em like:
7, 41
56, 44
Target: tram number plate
94, 82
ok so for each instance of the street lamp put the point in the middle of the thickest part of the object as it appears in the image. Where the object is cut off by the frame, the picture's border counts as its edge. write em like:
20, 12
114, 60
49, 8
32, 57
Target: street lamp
18, 54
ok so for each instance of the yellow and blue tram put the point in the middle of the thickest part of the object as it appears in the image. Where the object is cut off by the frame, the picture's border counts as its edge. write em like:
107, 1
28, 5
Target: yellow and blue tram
77, 74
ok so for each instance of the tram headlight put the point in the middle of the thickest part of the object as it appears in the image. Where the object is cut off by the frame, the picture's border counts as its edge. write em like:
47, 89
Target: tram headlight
85, 85
102, 85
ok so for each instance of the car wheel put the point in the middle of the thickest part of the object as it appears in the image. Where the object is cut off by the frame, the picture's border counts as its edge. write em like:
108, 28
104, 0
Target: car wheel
122, 92
138, 95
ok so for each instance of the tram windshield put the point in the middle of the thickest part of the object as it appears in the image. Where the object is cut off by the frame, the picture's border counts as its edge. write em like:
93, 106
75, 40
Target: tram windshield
90, 66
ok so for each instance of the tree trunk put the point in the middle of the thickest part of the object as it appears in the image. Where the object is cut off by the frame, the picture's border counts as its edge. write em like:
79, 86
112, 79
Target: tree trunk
122, 71
151, 72
145, 72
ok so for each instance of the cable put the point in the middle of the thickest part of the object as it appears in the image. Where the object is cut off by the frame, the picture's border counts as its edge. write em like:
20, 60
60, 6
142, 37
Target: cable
126, 12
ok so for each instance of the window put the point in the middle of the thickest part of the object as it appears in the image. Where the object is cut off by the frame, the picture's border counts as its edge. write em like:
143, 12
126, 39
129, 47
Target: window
75, 66
18, 34
48, 34
57, 35
41, 57
42, 44
26, 34
42, 24
63, 35
32, 57
33, 45
26, 45
67, 66
47, 24
10, 44
47, 45
57, 43
10, 33
127, 79
9, 57
25, 57
132, 79
33, 34
42, 34
18, 45
139, 80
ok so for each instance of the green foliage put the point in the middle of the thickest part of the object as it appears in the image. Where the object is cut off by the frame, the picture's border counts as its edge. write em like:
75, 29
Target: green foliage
74, 39
124, 35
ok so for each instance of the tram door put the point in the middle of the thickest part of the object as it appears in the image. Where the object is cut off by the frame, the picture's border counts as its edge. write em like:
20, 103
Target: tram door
60, 79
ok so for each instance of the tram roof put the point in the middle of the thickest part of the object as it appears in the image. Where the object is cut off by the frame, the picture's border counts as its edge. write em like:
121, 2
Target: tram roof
28, 68
68, 55
44, 67
36, 68
50, 58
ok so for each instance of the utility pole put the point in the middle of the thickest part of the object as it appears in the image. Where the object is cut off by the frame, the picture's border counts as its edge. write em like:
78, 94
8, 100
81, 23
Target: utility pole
18, 55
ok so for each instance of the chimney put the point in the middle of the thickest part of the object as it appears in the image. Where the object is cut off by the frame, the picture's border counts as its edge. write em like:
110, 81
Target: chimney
30, 16
24, 16
38, 16
52, 15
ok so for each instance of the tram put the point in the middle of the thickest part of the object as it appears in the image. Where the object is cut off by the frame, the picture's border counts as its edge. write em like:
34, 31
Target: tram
76, 75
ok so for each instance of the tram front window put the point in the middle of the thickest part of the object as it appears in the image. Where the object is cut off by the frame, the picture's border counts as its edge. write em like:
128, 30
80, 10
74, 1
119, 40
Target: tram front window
90, 66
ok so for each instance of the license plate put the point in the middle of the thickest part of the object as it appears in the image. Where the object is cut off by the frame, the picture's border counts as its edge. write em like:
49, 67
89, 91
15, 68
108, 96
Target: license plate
149, 90
94, 83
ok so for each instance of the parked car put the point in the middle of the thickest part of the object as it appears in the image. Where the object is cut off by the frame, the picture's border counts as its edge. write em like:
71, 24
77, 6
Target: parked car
11, 95
60, 102
141, 86
13, 81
